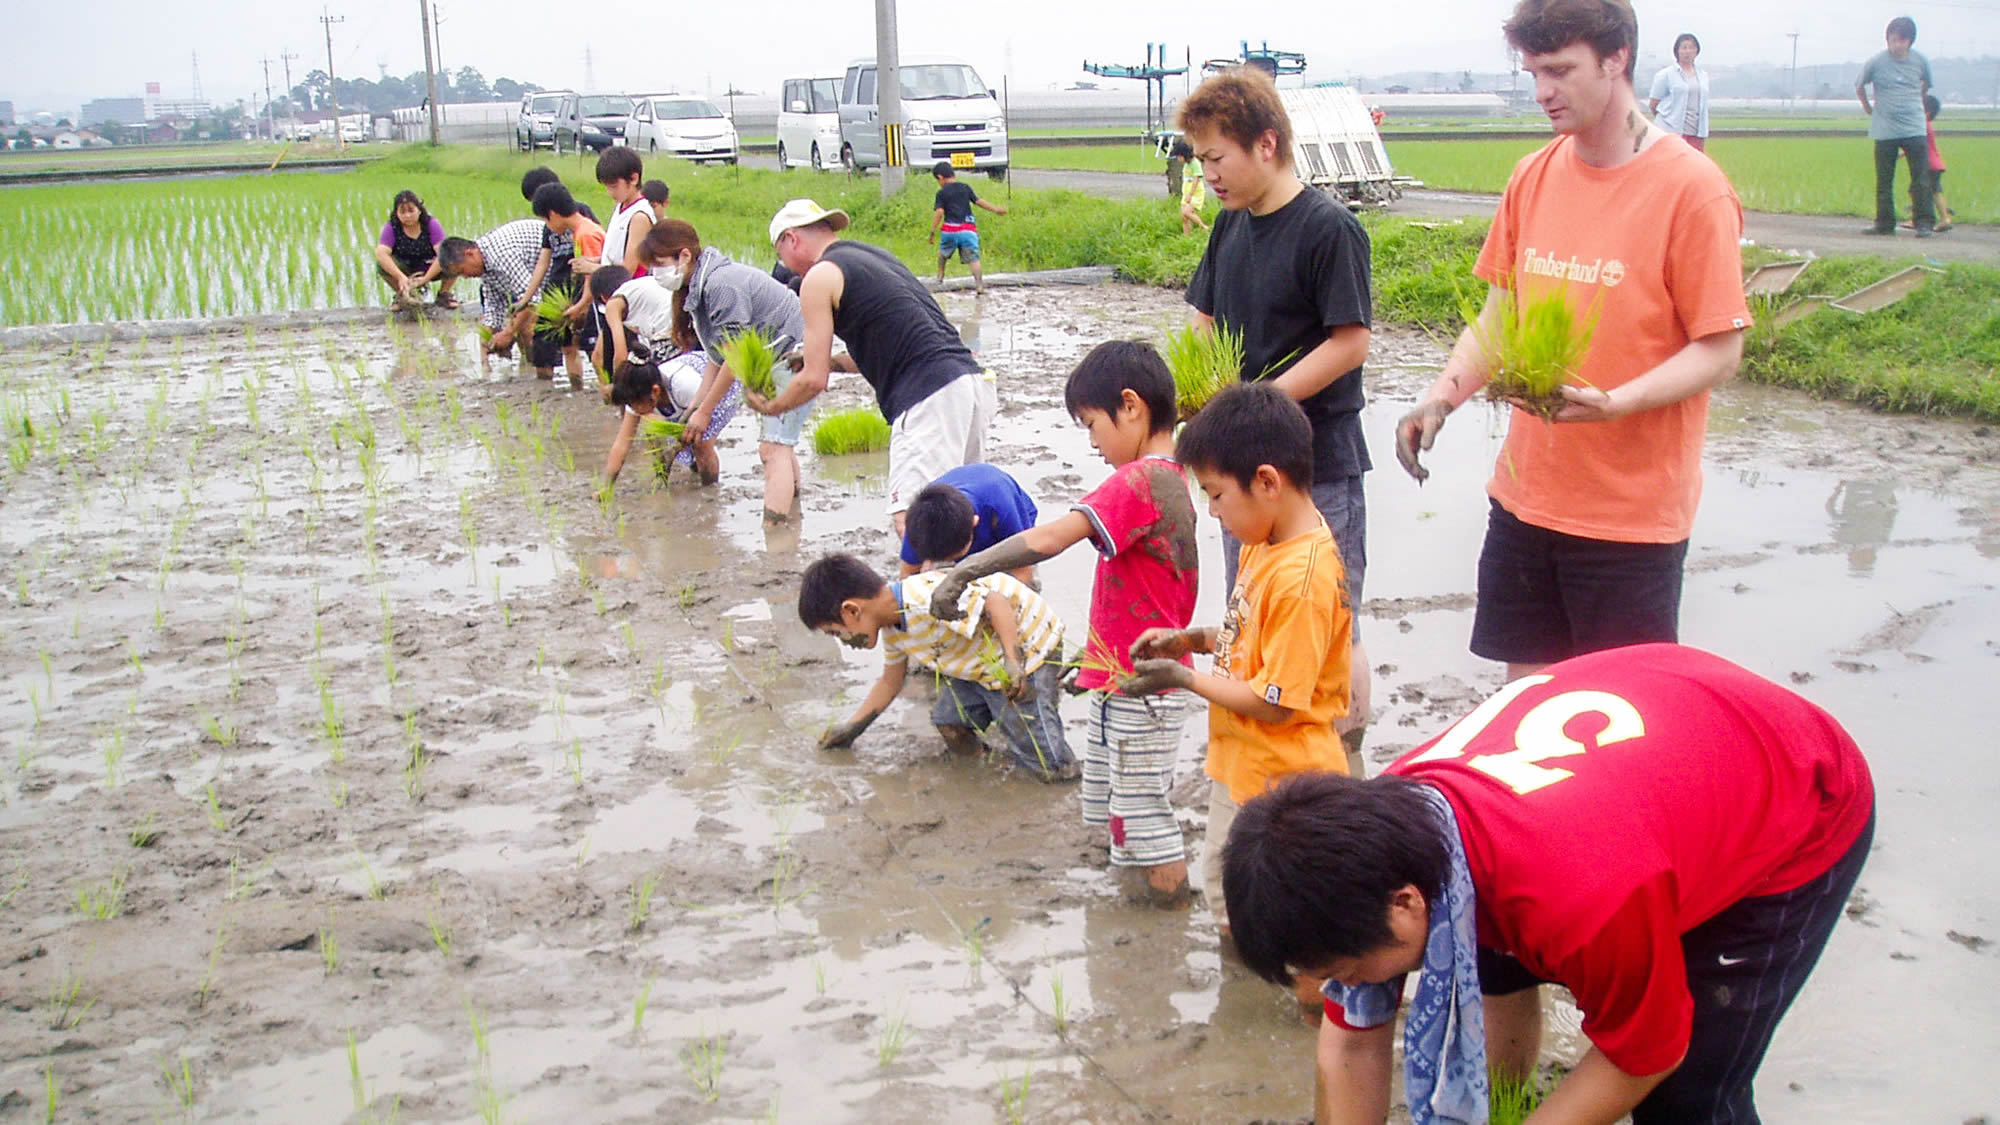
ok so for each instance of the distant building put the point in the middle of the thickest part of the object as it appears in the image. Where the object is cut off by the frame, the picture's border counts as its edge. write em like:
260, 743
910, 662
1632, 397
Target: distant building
158, 108
6, 113
125, 111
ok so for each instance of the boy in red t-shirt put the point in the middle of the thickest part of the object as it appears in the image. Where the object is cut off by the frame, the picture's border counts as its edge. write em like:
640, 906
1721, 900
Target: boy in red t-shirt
1141, 521
1665, 834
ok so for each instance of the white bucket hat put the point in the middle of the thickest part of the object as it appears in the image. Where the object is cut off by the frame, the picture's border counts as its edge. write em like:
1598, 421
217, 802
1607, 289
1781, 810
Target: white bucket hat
804, 212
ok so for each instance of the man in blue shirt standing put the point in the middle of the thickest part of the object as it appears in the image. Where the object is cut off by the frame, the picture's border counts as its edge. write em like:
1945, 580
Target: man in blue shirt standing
1901, 77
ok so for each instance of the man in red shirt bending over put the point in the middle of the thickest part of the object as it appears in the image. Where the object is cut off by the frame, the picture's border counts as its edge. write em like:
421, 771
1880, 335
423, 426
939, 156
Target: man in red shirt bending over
1661, 832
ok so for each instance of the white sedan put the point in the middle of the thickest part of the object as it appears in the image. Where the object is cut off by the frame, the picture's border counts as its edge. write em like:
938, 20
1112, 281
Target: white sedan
678, 125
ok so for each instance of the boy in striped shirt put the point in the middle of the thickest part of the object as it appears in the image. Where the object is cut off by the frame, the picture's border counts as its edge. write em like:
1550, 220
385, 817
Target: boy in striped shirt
996, 663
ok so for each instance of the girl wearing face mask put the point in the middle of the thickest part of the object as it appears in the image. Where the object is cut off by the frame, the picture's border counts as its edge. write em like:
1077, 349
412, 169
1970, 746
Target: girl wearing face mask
714, 299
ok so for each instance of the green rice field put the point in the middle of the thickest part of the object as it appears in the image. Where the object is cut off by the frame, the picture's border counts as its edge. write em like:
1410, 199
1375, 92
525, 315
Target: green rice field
1804, 175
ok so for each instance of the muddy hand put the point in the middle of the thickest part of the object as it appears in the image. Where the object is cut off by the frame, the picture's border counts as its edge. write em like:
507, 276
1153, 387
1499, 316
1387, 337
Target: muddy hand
1416, 431
840, 736
1586, 404
1020, 688
945, 597
1171, 644
1149, 677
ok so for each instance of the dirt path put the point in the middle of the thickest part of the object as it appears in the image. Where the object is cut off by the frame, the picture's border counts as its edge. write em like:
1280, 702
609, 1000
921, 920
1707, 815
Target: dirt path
326, 663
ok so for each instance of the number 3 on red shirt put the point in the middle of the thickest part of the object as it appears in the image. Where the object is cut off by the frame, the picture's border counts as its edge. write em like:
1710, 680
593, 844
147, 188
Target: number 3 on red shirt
1539, 736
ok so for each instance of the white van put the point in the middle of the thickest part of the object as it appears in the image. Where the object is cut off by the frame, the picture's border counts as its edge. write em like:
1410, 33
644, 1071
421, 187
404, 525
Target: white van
809, 122
949, 113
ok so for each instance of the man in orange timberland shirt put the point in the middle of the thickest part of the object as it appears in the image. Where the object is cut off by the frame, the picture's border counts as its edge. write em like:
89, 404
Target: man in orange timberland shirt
1591, 512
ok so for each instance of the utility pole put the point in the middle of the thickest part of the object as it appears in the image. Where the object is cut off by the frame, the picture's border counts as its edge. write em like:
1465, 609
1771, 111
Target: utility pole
889, 97
430, 72
332, 90
1792, 103
270, 110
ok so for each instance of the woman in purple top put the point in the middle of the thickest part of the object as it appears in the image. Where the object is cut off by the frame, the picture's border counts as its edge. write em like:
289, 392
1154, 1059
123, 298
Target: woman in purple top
406, 254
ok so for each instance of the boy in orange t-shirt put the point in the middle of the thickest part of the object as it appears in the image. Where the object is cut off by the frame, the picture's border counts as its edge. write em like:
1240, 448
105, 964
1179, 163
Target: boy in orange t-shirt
1281, 673
1591, 513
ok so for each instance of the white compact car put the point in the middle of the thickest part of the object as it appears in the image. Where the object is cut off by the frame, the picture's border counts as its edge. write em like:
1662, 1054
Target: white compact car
679, 125
809, 123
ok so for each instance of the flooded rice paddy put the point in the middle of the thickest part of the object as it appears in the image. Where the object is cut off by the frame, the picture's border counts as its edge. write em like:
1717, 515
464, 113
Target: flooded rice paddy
363, 760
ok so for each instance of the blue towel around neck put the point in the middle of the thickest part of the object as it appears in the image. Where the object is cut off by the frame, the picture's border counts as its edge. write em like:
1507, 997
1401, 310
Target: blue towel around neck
1444, 1038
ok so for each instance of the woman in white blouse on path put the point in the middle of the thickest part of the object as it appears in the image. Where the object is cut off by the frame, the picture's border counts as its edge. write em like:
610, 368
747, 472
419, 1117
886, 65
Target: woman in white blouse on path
1679, 98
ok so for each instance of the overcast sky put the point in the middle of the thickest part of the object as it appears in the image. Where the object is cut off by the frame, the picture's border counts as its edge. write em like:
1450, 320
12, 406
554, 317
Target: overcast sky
47, 60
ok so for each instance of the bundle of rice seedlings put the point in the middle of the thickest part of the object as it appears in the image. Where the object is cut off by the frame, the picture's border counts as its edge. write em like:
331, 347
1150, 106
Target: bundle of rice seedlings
1202, 362
1533, 349
549, 310
751, 356
662, 431
860, 429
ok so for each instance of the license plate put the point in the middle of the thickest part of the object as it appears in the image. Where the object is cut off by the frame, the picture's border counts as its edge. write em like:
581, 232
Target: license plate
961, 160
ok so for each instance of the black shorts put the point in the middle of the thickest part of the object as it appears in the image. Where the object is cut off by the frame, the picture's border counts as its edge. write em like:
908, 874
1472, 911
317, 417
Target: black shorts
1546, 596
1745, 966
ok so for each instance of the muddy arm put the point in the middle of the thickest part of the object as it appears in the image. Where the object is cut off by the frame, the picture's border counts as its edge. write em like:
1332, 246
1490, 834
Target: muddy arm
879, 697
1038, 544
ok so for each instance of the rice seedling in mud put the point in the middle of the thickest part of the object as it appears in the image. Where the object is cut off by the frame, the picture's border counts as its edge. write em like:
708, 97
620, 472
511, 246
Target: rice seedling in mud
703, 1058
1014, 1096
215, 949
1058, 1001
20, 884
143, 834
752, 357
180, 1083
859, 429
53, 1096
364, 1098
103, 899
1532, 350
329, 945
439, 929
66, 1004
1203, 362
639, 901
639, 1006
893, 1037
488, 1099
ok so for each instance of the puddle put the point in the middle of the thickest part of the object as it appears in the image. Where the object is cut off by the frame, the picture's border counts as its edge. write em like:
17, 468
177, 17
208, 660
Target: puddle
546, 702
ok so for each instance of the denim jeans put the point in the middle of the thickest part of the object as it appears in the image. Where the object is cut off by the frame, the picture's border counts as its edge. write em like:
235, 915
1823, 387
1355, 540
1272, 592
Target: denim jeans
1916, 152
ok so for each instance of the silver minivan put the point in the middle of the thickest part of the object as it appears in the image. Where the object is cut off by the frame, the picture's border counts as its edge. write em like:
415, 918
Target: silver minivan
948, 114
809, 122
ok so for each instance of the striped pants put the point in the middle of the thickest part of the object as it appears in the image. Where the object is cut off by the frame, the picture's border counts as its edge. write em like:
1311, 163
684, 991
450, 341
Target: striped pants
1128, 770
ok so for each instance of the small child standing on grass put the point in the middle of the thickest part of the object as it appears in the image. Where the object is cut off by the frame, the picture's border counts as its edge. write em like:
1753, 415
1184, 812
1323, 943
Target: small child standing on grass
1938, 206
1280, 676
952, 226
996, 660
1142, 523
964, 511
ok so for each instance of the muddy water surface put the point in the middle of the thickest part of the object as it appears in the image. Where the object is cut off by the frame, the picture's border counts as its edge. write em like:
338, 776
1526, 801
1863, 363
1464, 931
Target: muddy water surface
441, 757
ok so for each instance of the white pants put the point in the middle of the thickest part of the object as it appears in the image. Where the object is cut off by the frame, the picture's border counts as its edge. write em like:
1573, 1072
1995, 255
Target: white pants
939, 434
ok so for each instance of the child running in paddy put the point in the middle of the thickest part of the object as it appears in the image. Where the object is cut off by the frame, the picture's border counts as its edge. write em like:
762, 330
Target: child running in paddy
1141, 522
667, 389
1280, 675
996, 661
965, 511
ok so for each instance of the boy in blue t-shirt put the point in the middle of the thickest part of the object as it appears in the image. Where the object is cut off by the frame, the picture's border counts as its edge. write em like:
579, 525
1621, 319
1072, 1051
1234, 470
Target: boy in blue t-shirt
952, 226
966, 510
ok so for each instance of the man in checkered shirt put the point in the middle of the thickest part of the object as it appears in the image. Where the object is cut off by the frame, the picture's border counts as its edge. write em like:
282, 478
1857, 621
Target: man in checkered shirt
503, 259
